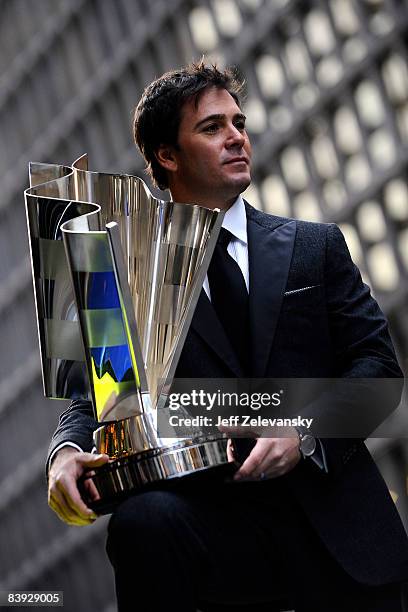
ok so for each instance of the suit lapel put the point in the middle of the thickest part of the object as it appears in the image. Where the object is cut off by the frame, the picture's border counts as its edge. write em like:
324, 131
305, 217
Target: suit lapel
206, 323
270, 247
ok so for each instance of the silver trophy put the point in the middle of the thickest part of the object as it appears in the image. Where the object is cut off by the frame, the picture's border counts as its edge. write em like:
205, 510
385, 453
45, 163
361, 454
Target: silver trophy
117, 275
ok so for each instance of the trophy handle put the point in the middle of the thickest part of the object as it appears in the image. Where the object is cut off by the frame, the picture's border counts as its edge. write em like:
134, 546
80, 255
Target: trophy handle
49, 203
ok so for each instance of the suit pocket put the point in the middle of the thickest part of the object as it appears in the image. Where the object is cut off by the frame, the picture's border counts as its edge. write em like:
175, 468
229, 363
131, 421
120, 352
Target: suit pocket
300, 290
302, 298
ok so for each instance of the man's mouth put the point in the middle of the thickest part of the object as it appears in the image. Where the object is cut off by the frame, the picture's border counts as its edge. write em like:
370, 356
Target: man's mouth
237, 160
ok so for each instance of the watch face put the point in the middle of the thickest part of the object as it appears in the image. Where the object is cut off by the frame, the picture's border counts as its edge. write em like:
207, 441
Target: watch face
307, 445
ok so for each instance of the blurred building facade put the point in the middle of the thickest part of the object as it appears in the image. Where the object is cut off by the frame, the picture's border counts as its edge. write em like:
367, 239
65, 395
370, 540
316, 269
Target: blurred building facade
327, 112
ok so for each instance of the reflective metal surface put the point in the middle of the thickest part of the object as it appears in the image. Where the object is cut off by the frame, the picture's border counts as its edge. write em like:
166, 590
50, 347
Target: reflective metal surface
120, 299
128, 436
140, 432
116, 481
114, 374
132, 344
49, 203
135, 315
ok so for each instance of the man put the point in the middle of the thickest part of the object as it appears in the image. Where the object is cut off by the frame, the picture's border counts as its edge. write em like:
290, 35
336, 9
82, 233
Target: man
317, 533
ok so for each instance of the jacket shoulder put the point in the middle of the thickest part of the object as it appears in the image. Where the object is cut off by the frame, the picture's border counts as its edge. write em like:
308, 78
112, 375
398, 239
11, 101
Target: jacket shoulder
305, 229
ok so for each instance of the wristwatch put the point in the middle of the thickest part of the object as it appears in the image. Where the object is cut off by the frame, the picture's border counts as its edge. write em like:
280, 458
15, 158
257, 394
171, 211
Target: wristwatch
307, 443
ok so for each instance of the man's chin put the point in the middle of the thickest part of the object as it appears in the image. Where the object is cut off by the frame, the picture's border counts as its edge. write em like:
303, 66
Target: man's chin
240, 184
234, 190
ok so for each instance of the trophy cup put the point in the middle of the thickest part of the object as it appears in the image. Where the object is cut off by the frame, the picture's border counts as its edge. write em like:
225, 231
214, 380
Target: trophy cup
117, 274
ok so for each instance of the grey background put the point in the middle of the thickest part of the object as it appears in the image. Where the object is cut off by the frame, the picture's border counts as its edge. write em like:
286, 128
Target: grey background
328, 116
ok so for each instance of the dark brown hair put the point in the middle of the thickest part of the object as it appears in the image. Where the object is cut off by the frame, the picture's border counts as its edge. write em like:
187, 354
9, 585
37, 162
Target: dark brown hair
158, 113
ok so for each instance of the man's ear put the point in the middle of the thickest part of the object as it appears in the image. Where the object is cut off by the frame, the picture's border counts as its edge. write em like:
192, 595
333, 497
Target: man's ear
166, 157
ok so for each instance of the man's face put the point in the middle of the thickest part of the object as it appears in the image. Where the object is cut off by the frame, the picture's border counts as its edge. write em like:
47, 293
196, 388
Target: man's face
212, 161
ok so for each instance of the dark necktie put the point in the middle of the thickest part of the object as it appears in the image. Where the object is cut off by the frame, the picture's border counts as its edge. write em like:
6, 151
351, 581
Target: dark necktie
229, 297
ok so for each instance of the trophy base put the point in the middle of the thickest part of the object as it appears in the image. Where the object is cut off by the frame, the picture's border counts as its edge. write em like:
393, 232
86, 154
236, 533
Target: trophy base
193, 460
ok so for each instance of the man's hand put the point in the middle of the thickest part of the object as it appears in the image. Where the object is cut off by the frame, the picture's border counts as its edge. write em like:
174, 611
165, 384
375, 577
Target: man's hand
270, 457
63, 495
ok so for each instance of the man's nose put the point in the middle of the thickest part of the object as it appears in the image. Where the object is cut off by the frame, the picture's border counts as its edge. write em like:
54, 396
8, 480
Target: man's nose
235, 137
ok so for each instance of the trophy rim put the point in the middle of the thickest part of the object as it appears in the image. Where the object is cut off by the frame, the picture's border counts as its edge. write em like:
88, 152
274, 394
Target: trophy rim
161, 468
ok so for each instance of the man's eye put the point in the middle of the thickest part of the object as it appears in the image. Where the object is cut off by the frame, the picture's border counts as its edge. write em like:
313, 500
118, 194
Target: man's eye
240, 125
212, 127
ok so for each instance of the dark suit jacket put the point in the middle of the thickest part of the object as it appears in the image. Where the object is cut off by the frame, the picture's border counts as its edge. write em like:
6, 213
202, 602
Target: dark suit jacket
334, 329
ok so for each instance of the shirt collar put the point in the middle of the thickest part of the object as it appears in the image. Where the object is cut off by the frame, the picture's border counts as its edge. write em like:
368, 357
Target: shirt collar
235, 220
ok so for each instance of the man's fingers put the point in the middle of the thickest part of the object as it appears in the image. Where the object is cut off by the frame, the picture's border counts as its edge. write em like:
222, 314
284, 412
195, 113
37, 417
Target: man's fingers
91, 460
58, 504
58, 509
68, 488
267, 469
76, 517
255, 457
271, 457
64, 495
269, 466
68, 518
230, 451
91, 489
72, 520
